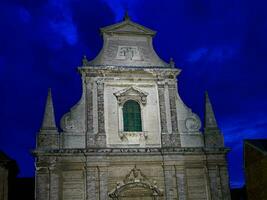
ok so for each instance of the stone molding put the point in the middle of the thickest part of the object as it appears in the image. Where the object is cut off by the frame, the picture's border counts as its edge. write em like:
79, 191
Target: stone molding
175, 150
158, 73
131, 93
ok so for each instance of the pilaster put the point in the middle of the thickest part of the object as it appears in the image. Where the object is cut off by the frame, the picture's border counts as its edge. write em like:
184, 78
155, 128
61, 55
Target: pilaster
91, 183
54, 183
101, 135
103, 182
89, 100
225, 183
42, 184
90, 138
162, 107
170, 182
181, 182
172, 95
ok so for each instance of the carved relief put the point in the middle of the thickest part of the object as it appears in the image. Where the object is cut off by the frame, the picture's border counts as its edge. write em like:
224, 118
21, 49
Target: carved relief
128, 53
193, 123
133, 182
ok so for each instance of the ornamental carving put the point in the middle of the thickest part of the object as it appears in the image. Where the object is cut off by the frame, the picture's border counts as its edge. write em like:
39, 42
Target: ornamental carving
131, 93
193, 123
134, 181
128, 53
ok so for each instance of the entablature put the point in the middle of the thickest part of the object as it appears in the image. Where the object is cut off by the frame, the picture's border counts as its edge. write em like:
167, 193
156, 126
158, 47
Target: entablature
114, 71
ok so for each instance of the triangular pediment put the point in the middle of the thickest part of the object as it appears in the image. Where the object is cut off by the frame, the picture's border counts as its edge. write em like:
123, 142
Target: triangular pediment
127, 26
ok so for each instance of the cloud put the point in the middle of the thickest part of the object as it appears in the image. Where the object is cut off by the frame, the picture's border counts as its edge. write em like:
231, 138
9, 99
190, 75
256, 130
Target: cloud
197, 54
24, 15
235, 130
119, 7
66, 29
212, 54
61, 20
219, 45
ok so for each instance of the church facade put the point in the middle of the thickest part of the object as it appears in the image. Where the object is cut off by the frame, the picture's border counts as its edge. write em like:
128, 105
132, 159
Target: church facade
130, 136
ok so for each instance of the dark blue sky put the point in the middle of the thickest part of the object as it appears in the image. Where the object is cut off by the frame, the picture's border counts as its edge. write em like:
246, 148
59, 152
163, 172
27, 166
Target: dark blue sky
221, 46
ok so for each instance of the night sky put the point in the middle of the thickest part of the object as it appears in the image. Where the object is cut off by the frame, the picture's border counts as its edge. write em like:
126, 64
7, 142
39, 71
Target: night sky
221, 47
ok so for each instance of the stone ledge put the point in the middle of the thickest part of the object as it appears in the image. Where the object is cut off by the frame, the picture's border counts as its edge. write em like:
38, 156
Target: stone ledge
131, 151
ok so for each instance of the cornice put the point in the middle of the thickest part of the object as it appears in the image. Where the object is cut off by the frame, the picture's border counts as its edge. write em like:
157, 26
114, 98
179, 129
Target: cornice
132, 151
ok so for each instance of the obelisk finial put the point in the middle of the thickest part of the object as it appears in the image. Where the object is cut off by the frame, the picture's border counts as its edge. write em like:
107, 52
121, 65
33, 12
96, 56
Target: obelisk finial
49, 117
210, 120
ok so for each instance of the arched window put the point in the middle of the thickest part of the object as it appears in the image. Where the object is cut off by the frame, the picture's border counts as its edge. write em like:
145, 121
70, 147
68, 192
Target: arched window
132, 116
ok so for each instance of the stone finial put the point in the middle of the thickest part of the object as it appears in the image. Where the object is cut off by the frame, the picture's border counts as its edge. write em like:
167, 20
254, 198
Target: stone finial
210, 120
126, 16
84, 61
49, 117
172, 63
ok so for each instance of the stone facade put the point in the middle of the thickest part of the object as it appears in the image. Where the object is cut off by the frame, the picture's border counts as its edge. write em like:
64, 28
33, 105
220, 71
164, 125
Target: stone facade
95, 158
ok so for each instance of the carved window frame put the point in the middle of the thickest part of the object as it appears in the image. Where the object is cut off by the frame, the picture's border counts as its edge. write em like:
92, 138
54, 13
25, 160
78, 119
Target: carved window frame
122, 96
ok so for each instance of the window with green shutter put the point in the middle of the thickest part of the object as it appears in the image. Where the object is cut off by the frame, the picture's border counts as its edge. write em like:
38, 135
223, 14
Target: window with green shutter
132, 116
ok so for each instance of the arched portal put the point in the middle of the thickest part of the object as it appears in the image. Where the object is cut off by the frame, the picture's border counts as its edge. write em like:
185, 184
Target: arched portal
136, 186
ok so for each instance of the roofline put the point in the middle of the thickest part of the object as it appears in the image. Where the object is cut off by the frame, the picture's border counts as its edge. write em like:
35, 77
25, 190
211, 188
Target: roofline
108, 29
247, 141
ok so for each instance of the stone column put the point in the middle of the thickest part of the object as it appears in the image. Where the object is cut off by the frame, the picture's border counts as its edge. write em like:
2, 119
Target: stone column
91, 183
42, 183
181, 182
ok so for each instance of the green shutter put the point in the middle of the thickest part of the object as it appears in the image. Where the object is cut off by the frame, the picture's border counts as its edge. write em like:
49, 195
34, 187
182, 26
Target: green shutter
132, 116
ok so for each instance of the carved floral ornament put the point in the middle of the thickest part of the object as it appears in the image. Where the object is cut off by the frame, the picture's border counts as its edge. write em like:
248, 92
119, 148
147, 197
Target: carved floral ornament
135, 179
131, 93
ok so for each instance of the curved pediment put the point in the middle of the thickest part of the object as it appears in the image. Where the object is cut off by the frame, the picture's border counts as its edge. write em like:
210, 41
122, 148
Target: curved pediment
131, 93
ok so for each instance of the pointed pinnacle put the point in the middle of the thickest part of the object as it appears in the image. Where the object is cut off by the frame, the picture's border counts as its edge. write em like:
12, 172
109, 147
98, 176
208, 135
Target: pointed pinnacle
84, 60
210, 120
172, 63
49, 117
